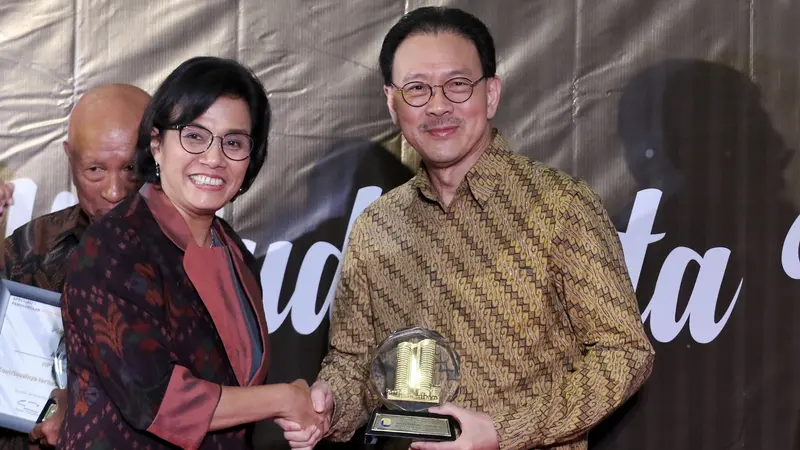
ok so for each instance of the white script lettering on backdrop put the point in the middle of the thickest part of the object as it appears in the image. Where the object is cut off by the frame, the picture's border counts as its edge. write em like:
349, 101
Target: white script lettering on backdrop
661, 310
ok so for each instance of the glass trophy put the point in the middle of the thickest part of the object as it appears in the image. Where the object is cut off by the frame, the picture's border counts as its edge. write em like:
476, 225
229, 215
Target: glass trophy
413, 370
60, 376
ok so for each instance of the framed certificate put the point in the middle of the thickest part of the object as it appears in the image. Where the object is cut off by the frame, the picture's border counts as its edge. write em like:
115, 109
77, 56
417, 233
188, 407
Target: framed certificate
30, 328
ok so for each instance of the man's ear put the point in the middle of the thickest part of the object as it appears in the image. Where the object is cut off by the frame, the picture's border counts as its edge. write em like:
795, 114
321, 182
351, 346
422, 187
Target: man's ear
493, 88
390, 102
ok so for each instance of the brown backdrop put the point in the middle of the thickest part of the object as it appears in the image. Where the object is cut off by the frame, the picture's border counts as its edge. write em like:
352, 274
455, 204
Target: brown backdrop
682, 114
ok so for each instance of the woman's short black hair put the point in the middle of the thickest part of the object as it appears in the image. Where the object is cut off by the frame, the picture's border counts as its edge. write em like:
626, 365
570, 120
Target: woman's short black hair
188, 92
438, 19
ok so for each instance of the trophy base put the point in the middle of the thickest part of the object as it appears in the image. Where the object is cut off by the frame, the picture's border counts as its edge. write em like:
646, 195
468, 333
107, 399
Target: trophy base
417, 426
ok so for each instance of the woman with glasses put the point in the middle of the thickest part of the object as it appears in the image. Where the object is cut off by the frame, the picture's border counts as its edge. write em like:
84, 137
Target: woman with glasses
163, 316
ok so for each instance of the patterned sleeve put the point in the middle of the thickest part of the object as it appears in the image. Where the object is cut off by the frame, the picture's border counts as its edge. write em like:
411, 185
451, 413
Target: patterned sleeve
113, 308
591, 279
346, 366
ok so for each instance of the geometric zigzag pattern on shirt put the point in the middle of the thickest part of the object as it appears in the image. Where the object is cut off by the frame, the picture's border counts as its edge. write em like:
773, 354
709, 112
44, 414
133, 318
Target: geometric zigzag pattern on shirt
523, 274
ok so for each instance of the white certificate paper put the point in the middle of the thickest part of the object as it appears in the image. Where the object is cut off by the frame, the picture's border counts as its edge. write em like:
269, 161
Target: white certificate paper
30, 328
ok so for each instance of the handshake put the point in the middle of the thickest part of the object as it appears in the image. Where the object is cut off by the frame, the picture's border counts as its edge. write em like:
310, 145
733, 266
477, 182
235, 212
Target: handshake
308, 416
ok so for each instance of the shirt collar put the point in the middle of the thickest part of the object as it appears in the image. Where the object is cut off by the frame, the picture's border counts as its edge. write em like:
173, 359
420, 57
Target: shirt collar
482, 178
74, 225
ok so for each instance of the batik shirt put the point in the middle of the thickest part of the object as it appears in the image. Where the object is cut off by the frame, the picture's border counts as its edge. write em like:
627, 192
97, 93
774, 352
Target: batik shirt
523, 274
36, 254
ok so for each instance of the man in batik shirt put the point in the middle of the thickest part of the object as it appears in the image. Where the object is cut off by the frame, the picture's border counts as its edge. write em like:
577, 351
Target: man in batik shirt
515, 264
100, 148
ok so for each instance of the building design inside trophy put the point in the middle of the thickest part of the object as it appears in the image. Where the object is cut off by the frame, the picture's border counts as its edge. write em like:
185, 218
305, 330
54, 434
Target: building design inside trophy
415, 375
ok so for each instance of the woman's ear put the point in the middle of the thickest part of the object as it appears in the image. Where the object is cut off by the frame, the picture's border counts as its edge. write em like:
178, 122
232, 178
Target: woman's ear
155, 144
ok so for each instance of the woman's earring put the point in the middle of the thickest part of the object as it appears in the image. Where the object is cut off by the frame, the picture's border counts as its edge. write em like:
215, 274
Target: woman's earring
158, 171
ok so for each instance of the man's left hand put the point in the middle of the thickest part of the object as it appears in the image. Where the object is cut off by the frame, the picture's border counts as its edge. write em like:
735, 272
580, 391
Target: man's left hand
477, 431
6, 197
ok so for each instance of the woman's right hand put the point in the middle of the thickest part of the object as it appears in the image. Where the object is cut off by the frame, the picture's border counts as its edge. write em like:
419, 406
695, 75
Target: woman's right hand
285, 403
298, 407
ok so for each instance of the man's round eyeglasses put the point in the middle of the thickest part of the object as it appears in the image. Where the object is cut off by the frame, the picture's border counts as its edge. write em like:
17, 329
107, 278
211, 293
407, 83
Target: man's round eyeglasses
196, 139
457, 90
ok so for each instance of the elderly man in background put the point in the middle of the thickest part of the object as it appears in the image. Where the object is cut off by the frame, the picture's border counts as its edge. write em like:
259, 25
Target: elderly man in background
100, 148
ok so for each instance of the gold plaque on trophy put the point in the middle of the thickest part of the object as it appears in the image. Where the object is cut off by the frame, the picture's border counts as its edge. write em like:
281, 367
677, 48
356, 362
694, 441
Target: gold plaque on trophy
413, 370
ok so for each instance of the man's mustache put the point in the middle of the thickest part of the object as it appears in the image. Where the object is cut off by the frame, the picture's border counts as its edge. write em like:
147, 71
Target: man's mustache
443, 122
